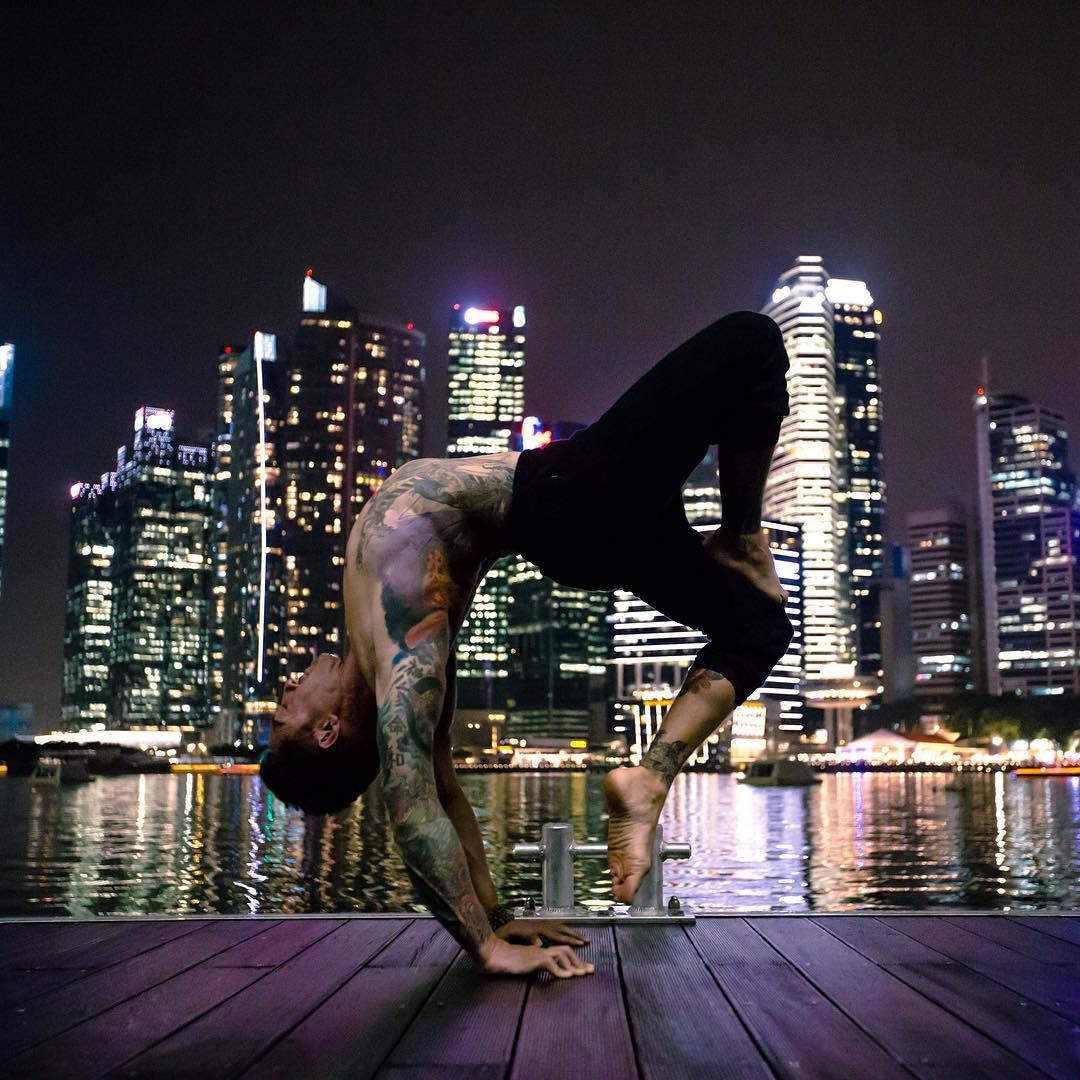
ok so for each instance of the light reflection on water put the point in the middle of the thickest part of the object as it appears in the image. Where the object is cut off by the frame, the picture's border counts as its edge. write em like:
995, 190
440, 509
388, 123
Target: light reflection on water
203, 843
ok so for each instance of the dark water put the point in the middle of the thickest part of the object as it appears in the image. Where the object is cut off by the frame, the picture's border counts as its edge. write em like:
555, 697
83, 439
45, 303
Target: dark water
199, 843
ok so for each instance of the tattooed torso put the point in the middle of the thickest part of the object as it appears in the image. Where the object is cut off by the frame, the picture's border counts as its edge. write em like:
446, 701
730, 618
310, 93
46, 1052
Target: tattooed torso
413, 561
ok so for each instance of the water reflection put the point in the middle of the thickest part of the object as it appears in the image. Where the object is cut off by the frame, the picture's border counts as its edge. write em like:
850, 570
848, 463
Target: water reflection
200, 843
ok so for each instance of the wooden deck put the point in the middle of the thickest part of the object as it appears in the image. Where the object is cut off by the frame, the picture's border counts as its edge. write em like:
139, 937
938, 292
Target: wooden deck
828, 996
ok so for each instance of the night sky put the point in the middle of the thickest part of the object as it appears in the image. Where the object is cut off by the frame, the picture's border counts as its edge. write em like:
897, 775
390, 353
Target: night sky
166, 179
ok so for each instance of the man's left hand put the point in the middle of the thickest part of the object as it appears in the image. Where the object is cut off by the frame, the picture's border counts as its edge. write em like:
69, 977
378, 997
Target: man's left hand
540, 932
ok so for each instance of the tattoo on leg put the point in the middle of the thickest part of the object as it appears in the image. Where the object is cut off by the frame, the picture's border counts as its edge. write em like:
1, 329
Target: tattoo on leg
665, 758
699, 679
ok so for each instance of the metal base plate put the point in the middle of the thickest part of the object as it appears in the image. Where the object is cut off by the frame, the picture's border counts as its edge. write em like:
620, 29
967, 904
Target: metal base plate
618, 914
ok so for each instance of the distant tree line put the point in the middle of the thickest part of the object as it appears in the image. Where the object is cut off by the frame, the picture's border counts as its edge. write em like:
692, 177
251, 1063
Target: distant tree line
981, 716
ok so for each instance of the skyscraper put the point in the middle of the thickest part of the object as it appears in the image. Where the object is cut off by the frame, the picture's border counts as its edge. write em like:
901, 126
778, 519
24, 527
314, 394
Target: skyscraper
808, 467
353, 414
249, 655
88, 610
154, 513
1030, 545
940, 592
559, 642
486, 354
826, 477
7, 378
856, 332
651, 653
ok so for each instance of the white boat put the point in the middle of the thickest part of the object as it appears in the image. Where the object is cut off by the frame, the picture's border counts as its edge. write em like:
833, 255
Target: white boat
779, 772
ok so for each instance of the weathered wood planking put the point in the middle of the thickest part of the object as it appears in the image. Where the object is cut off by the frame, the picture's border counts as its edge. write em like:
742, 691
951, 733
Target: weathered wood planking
240, 1030
579, 1023
918, 1033
780, 1007
682, 1025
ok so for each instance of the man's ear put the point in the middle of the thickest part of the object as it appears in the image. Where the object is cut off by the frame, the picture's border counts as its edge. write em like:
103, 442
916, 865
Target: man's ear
326, 731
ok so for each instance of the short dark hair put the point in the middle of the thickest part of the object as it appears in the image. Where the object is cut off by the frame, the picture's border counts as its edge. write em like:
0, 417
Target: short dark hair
316, 780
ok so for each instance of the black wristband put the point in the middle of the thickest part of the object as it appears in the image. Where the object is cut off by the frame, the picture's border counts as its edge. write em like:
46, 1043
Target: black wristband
500, 915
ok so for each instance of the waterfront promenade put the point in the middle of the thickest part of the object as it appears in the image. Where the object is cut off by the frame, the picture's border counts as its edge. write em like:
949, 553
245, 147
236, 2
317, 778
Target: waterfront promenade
792, 996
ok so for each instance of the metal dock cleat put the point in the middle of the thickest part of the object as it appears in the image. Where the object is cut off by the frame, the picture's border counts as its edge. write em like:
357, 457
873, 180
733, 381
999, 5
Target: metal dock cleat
556, 852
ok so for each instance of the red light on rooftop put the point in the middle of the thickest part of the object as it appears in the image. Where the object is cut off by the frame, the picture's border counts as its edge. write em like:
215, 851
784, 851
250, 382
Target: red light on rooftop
228, 348
408, 326
980, 391
309, 272
457, 307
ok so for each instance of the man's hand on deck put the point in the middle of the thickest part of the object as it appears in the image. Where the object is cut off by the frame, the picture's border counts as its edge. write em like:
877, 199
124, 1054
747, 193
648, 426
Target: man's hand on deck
498, 957
540, 932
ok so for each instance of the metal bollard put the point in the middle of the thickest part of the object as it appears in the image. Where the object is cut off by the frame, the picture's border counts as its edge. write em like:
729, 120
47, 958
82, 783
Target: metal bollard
557, 850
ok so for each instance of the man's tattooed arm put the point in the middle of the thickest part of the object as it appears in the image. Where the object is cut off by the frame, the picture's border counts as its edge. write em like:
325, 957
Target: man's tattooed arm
408, 715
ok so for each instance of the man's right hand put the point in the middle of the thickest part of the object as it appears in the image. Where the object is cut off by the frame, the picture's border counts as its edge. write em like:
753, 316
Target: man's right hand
499, 957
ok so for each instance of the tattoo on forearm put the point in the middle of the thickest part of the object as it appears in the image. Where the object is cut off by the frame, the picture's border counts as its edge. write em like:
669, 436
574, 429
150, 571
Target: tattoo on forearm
666, 758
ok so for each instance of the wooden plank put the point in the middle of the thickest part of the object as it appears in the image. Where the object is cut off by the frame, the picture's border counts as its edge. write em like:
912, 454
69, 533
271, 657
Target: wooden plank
351, 1033
18, 987
75, 1002
101, 1044
1060, 926
442, 1072
1047, 1040
276, 944
917, 1032
50, 945
800, 1032
682, 1024
1057, 986
1028, 1029
581, 1023
470, 1021
879, 942
424, 943
228, 1039
1030, 943
134, 938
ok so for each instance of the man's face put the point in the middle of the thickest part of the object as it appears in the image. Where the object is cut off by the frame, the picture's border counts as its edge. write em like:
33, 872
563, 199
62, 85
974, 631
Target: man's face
310, 703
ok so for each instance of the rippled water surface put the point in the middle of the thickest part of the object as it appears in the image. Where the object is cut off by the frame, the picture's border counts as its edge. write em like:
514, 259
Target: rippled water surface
200, 843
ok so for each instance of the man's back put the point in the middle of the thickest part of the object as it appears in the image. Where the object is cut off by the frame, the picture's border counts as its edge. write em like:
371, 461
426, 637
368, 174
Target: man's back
422, 544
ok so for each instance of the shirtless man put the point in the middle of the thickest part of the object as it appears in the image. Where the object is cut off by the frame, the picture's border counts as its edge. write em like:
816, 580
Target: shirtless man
417, 553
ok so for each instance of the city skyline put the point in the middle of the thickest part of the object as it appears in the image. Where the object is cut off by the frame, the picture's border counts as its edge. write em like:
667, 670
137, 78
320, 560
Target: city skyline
628, 194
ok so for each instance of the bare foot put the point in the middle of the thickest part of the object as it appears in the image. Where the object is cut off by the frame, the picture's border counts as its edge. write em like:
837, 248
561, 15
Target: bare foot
634, 798
748, 553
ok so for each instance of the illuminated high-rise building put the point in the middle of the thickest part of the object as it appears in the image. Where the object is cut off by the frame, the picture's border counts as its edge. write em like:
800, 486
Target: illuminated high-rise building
248, 648
940, 603
559, 642
826, 477
7, 378
807, 470
145, 529
856, 333
353, 414
1029, 542
486, 405
87, 692
651, 653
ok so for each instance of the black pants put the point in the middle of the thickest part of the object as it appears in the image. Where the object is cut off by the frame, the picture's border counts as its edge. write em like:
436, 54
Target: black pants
604, 510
